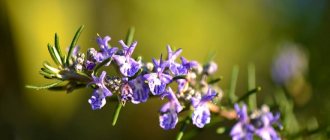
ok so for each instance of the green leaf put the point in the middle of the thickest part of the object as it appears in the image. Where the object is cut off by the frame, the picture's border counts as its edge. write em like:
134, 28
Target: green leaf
221, 130
211, 55
286, 107
183, 128
43, 86
50, 68
47, 71
116, 114
73, 43
252, 102
130, 36
68, 87
233, 82
46, 74
57, 47
82, 74
249, 93
54, 54
57, 56
216, 80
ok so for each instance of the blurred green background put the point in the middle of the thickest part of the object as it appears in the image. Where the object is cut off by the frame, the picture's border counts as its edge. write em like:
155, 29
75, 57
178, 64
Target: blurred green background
237, 32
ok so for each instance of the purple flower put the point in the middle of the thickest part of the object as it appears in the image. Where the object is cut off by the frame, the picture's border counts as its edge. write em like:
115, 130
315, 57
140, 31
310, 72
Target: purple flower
105, 50
291, 62
97, 100
201, 114
263, 125
126, 92
140, 90
75, 51
210, 68
169, 112
171, 56
182, 85
260, 123
242, 129
103, 42
242, 113
94, 57
157, 81
184, 67
128, 66
90, 63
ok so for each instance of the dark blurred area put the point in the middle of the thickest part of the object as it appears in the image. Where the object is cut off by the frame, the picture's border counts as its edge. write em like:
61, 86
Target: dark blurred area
237, 32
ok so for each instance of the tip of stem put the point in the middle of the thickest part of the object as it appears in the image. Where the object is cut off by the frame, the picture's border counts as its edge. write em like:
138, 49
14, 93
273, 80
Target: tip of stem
258, 88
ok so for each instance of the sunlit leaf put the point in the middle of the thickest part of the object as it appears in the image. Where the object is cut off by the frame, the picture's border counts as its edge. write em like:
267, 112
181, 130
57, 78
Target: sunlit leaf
54, 54
57, 47
43, 86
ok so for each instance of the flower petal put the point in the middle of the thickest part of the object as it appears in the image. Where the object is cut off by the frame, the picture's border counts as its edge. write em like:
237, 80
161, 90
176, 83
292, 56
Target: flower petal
155, 84
168, 120
140, 90
201, 116
97, 101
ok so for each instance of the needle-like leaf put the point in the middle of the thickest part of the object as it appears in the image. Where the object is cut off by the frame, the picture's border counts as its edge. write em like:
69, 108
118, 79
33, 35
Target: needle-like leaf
54, 54
43, 86
58, 47
73, 44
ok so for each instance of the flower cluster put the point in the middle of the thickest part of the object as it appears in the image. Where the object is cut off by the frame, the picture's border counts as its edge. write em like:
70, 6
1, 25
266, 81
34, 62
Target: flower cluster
259, 122
131, 90
136, 80
186, 85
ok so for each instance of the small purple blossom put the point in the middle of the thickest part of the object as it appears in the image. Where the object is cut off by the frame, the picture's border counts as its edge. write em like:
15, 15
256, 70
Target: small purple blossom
242, 113
75, 51
169, 112
126, 93
242, 129
184, 67
90, 63
182, 85
259, 123
158, 80
127, 65
140, 90
210, 68
263, 125
94, 57
97, 100
201, 114
103, 42
290, 62
171, 57
105, 50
